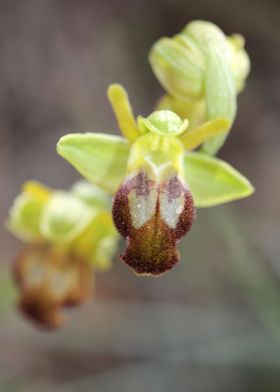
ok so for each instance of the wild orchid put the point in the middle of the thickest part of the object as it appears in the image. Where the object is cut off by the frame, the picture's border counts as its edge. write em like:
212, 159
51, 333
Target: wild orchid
67, 236
157, 178
159, 172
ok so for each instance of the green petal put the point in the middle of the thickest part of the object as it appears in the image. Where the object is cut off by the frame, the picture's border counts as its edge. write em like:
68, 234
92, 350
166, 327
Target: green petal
196, 136
123, 111
64, 217
213, 181
220, 95
100, 158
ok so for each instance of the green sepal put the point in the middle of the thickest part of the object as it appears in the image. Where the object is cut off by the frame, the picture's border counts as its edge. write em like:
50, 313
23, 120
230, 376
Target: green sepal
220, 95
213, 181
26, 211
178, 67
100, 158
64, 218
240, 61
24, 217
98, 242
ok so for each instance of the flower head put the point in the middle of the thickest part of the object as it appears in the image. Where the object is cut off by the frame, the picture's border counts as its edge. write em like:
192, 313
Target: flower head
67, 235
156, 178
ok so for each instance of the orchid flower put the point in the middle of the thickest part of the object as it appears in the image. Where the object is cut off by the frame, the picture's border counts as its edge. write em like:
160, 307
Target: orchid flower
157, 178
202, 71
67, 235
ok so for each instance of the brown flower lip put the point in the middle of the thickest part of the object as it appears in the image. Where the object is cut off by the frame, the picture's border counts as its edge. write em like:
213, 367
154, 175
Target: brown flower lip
166, 213
48, 283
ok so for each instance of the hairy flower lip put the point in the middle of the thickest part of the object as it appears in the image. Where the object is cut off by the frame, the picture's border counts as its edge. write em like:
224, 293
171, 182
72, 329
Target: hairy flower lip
45, 315
38, 271
168, 207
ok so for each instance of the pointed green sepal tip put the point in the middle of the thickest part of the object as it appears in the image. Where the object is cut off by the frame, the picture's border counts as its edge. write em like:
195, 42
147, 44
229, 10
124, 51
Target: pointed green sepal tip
100, 158
213, 181
163, 123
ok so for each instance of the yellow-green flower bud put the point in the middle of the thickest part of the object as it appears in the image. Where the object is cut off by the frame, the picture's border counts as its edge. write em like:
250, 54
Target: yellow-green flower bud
202, 71
180, 62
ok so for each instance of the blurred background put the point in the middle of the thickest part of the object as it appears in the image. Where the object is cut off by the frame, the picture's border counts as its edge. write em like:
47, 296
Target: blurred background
213, 322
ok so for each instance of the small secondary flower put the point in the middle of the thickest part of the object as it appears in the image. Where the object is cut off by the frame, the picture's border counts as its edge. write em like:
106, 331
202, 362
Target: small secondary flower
67, 235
